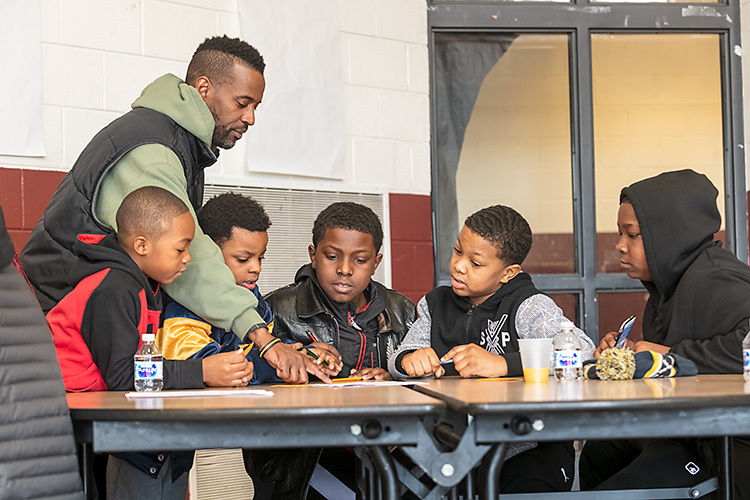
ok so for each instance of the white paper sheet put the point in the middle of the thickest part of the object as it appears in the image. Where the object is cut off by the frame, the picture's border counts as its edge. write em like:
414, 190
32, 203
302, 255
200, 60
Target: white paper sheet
21, 131
299, 126
199, 393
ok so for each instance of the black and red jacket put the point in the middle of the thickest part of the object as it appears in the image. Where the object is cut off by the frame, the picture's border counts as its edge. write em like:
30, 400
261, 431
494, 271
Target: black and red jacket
97, 327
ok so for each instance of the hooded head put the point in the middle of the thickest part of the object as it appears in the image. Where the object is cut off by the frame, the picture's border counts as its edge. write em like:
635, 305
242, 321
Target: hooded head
678, 218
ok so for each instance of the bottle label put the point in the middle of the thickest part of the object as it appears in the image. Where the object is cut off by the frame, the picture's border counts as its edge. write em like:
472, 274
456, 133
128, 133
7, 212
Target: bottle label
746, 358
568, 359
148, 370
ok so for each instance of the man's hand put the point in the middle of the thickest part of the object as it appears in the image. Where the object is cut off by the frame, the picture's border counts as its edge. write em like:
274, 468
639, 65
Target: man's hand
371, 374
422, 362
292, 366
329, 354
227, 369
470, 360
608, 341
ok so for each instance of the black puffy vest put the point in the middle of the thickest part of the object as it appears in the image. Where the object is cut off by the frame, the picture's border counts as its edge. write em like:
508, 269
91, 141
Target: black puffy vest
47, 257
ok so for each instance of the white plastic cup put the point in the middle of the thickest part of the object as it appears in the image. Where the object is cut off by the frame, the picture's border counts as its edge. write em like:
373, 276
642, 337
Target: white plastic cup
535, 355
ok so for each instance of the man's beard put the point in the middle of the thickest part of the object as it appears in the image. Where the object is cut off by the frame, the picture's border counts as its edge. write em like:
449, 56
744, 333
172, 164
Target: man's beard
221, 137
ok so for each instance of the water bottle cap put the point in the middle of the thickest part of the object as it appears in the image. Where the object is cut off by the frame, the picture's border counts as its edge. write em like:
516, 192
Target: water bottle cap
149, 337
567, 324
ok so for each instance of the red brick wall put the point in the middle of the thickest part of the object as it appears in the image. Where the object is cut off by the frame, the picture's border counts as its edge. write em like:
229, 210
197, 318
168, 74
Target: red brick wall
412, 267
24, 195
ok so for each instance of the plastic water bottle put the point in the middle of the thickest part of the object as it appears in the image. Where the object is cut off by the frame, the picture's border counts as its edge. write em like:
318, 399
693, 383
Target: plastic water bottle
566, 351
149, 366
746, 357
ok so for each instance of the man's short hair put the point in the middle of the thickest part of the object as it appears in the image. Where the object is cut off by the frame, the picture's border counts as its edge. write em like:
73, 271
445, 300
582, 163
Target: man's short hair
148, 211
229, 210
350, 216
215, 58
505, 229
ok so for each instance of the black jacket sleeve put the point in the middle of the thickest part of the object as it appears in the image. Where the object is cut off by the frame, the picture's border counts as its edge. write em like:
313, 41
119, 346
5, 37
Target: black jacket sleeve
110, 328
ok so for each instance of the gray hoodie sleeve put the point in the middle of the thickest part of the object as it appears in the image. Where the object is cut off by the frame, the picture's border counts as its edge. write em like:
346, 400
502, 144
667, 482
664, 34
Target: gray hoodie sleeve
539, 317
418, 337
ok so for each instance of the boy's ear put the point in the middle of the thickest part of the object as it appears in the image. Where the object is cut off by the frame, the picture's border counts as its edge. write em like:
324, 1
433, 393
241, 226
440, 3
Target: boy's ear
141, 245
510, 272
378, 260
311, 252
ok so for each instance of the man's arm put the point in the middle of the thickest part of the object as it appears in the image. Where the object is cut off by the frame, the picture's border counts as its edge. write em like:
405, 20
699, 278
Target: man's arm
207, 286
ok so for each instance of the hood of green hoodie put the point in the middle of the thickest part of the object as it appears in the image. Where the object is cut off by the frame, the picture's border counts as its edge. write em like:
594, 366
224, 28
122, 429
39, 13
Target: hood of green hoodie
173, 97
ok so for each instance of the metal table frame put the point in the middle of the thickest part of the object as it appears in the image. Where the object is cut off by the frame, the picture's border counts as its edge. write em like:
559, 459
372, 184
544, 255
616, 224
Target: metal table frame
294, 417
584, 410
499, 413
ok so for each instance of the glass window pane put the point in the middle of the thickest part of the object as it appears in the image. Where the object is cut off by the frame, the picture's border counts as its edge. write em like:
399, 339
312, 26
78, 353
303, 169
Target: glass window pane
657, 107
615, 307
568, 302
503, 137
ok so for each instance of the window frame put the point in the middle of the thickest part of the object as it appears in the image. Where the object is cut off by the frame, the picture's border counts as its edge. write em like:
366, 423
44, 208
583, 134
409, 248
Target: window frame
580, 20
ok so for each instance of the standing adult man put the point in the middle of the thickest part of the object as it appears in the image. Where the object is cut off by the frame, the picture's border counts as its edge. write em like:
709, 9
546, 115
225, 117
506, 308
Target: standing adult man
172, 133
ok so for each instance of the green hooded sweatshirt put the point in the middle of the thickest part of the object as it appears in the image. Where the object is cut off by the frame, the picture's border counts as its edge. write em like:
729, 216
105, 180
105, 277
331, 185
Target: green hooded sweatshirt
207, 287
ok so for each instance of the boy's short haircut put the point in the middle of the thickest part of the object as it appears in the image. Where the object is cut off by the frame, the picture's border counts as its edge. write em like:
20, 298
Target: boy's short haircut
148, 211
215, 58
229, 210
505, 229
350, 216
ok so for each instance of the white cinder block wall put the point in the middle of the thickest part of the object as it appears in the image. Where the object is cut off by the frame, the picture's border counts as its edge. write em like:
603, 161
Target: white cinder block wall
98, 55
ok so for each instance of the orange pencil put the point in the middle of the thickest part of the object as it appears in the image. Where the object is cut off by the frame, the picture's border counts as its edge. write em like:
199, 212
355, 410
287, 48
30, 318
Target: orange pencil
347, 379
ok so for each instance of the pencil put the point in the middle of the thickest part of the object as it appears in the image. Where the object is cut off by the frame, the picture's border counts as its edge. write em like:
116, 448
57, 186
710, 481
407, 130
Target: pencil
309, 352
347, 379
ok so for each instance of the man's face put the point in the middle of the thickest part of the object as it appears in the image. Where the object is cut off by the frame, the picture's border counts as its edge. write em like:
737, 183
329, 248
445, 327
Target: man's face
630, 244
233, 103
344, 261
167, 257
243, 254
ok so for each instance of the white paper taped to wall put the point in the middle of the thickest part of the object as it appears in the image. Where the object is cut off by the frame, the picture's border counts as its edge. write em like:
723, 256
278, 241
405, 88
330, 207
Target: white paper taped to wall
299, 126
21, 130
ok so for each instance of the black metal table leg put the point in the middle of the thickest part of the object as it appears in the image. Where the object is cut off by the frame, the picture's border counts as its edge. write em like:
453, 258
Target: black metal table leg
491, 467
386, 470
724, 459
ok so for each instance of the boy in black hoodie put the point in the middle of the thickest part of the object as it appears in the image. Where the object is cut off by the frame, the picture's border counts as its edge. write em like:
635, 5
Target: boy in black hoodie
697, 308
97, 327
473, 326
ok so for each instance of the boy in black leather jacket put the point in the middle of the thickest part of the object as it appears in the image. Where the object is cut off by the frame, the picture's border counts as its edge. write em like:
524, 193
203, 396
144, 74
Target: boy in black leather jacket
335, 307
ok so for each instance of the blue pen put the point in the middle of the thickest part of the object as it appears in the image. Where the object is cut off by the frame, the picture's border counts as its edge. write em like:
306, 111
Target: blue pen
624, 331
446, 361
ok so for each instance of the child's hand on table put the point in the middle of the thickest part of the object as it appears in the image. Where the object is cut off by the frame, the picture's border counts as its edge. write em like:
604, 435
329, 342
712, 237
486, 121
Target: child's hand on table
227, 369
422, 362
371, 374
642, 345
470, 360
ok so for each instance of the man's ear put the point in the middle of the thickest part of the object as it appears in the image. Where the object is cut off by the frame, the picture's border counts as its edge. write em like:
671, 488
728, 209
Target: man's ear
510, 272
203, 86
141, 245
311, 252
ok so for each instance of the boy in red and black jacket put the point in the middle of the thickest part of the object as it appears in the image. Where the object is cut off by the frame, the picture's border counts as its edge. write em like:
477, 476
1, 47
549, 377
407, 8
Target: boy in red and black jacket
97, 327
